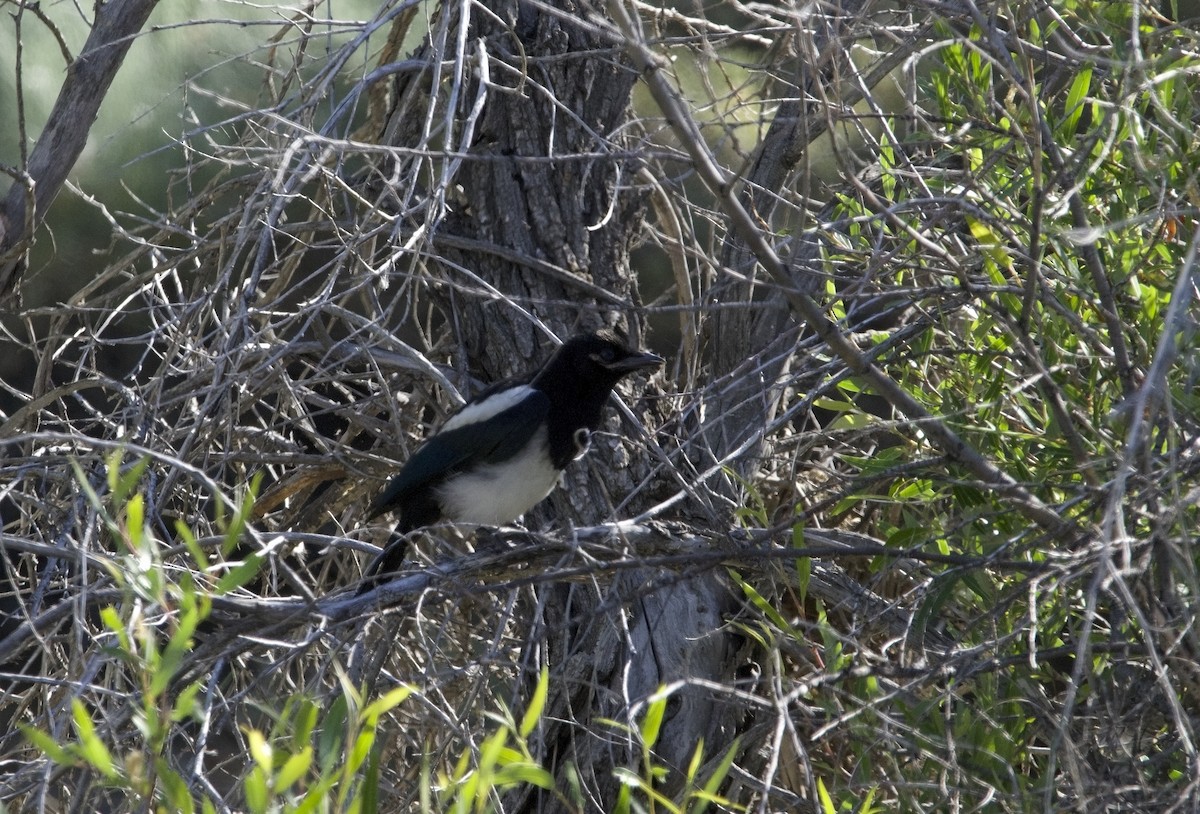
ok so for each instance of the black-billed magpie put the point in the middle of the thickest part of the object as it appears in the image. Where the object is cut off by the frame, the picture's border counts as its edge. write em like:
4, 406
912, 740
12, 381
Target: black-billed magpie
502, 451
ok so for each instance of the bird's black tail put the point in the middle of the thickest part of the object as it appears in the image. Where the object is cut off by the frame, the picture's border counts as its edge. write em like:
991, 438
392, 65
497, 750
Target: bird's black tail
388, 561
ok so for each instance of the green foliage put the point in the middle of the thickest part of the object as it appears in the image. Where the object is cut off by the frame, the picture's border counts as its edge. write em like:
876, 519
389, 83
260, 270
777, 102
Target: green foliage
1054, 208
313, 755
317, 758
308, 760
504, 760
641, 791
851, 805
149, 633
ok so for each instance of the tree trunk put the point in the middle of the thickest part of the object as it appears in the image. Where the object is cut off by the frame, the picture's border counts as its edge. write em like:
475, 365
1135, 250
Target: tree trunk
542, 226
65, 134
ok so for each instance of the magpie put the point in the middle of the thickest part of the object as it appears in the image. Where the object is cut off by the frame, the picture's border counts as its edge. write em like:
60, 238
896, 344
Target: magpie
503, 451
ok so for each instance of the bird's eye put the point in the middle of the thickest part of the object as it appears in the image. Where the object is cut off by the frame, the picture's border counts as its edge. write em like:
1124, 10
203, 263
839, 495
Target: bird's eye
605, 356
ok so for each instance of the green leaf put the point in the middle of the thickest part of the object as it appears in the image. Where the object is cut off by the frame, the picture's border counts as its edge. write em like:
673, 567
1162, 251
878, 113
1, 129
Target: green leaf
121, 485
112, 469
826, 801
319, 795
48, 746
625, 795
574, 785
493, 747
331, 740
93, 750
112, 620
651, 726
294, 768
697, 759
524, 772
93, 499
385, 703
360, 751
135, 521
178, 648
184, 532
369, 799
1076, 97
537, 703
943, 589
239, 575
237, 526
766, 608
721, 772
185, 705
803, 564
306, 721
260, 750
255, 790
174, 788
834, 405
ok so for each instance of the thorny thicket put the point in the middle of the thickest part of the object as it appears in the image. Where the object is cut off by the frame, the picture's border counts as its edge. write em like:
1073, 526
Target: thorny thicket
995, 203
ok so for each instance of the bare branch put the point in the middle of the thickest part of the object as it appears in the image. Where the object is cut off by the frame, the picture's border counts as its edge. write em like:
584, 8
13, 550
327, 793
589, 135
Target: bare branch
60, 143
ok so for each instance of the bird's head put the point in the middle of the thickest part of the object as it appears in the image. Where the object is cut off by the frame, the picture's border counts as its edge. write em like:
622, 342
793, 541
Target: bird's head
600, 357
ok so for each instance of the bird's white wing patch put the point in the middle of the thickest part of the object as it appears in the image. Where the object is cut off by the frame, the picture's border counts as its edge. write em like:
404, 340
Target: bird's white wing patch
490, 407
499, 493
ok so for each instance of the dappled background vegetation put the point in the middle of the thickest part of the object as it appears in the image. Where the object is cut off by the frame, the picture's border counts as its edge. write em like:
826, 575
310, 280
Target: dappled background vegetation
911, 515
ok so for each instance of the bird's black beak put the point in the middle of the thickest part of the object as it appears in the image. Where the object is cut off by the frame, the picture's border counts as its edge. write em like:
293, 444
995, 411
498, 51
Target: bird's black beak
635, 361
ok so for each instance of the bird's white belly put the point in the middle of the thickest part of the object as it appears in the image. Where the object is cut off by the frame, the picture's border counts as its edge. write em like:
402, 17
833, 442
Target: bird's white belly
500, 493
